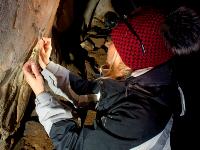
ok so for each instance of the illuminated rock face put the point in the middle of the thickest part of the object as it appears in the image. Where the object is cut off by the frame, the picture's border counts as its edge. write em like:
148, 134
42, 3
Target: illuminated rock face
22, 23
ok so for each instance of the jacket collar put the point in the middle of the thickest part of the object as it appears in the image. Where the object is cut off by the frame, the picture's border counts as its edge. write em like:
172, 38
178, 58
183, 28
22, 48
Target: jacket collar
159, 75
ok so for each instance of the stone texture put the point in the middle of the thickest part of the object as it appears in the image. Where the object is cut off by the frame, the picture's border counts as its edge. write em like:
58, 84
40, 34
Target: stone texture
22, 23
31, 140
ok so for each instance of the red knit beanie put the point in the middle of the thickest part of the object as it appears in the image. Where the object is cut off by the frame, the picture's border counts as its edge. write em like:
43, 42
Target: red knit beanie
147, 25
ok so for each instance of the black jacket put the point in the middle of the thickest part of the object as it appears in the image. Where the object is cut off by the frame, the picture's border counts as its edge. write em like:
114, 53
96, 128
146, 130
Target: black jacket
129, 111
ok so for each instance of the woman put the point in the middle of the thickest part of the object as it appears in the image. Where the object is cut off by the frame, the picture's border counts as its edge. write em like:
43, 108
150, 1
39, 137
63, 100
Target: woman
135, 99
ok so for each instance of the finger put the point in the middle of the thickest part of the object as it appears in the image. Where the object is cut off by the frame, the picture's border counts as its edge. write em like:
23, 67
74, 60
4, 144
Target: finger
35, 70
27, 67
42, 55
41, 62
42, 52
45, 39
40, 43
40, 58
28, 72
47, 43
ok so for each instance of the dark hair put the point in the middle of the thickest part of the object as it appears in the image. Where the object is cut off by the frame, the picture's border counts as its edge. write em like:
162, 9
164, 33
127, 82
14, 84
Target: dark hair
181, 31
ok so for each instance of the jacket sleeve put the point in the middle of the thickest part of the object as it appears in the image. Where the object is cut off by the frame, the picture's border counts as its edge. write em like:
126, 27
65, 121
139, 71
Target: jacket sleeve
49, 110
64, 83
57, 78
61, 74
57, 121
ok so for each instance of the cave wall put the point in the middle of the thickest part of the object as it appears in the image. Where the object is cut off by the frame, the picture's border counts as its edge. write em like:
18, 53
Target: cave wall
22, 23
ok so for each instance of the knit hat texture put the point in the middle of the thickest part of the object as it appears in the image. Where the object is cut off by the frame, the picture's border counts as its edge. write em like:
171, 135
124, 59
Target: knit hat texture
147, 25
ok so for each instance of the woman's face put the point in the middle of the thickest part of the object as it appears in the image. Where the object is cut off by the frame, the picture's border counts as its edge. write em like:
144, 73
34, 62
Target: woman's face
114, 66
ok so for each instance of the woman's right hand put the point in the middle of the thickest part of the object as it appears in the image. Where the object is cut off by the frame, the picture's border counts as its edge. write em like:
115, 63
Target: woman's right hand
45, 51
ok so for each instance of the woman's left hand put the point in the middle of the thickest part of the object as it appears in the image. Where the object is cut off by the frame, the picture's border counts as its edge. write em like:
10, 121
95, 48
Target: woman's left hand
33, 77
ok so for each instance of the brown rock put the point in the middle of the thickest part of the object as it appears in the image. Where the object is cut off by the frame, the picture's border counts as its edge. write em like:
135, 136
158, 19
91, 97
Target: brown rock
22, 23
35, 138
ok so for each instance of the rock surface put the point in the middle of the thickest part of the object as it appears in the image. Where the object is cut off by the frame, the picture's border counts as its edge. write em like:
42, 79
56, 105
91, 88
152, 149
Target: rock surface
31, 140
22, 23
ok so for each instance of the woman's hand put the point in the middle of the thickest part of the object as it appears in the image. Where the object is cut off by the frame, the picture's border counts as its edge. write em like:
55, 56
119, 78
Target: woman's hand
33, 77
45, 51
